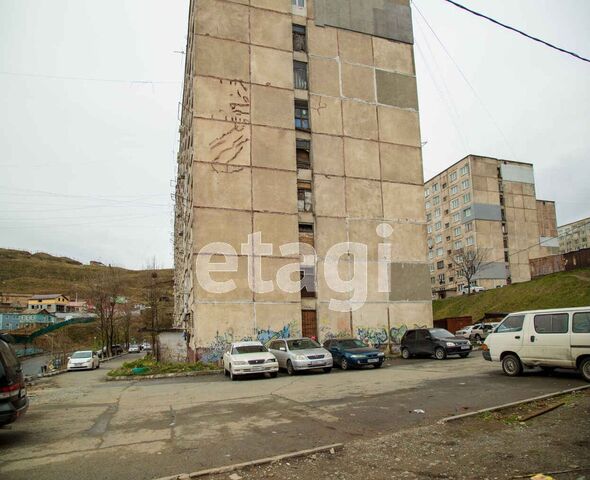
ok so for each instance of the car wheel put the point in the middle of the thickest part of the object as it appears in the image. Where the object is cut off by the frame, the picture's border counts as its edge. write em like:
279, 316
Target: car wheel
405, 354
511, 365
225, 372
440, 353
463, 355
327, 369
274, 374
585, 369
290, 368
344, 364
232, 377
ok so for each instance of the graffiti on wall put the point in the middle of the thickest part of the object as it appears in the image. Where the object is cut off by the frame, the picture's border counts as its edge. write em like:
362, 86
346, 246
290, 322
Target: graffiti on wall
214, 352
378, 337
269, 334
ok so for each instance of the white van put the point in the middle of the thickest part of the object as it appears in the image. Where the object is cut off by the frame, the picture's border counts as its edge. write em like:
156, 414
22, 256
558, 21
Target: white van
549, 339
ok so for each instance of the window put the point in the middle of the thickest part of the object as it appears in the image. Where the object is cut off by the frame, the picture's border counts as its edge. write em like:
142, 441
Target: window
455, 203
465, 184
441, 278
466, 198
440, 265
427, 192
456, 217
430, 242
300, 75
439, 252
307, 277
435, 188
437, 213
304, 198
428, 205
511, 324
438, 225
429, 217
431, 267
431, 254
303, 157
438, 239
436, 201
457, 231
429, 228
299, 38
454, 189
470, 241
469, 227
551, 323
467, 212
301, 115
581, 322
298, 3
464, 170
306, 233
453, 176
458, 245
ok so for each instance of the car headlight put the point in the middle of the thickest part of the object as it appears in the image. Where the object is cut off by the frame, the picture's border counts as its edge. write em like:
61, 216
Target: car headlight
239, 362
357, 356
381, 354
300, 358
271, 360
451, 344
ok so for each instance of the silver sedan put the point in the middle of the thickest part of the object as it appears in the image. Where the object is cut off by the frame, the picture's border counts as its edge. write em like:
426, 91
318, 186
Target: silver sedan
295, 354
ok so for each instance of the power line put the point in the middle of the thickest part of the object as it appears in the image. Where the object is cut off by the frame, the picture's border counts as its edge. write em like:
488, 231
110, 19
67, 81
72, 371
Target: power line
91, 79
550, 45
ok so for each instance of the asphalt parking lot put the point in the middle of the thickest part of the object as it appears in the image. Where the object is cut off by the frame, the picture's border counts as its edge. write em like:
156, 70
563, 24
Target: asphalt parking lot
79, 425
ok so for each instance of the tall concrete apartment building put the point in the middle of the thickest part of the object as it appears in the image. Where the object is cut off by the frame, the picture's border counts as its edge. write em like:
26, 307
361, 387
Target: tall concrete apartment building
299, 121
574, 236
489, 205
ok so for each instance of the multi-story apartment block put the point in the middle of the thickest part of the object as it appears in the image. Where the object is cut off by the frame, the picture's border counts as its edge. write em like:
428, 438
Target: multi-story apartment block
486, 205
299, 121
574, 236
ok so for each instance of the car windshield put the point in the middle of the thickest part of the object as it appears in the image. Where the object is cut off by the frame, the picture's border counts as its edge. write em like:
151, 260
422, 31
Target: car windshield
249, 349
353, 343
82, 355
303, 344
440, 333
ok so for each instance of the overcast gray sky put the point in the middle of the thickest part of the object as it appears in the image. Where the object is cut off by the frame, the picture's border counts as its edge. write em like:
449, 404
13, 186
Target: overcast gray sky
89, 95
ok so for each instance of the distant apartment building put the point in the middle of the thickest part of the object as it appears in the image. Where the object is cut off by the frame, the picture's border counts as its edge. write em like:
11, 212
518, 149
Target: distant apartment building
487, 205
53, 303
26, 318
574, 236
299, 121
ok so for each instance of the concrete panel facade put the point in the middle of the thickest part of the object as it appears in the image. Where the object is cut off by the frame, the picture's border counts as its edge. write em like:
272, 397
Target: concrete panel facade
351, 172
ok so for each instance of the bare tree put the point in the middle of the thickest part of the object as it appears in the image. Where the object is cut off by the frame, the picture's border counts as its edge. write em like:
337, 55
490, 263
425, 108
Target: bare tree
106, 288
152, 295
470, 262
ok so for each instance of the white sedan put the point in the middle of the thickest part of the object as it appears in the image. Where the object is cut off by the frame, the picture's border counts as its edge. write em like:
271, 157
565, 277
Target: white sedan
245, 358
83, 360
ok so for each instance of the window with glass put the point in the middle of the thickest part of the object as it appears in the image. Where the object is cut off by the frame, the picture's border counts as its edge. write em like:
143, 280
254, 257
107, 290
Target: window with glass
438, 239
457, 231
454, 190
512, 323
467, 198
469, 227
436, 201
437, 213
435, 187
298, 3
428, 205
300, 75
429, 228
467, 212
453, 176
438, 225
301, 115
551, 323
299, 38
455, 203
458, 245
439, 252
581, 323
470, 241
457, 217
464, 170
465, 184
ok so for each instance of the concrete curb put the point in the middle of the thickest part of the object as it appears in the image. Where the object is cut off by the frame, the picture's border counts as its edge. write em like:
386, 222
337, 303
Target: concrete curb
164, 375
512, 404
263, 461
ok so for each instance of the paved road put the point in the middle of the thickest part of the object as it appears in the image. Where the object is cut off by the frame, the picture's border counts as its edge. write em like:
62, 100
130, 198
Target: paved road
32, 366
80, 426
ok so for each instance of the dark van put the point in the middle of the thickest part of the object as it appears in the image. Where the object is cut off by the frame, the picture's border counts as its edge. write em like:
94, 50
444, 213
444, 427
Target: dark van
13, 393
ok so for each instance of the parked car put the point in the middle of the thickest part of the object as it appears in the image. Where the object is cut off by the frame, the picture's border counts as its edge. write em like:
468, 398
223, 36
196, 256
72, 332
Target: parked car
13, 393
353, 353
548, 339
295, 354
465, 332
480, 331
117, 350
473, 289
134, 349
83, 360
244, 358
434, 341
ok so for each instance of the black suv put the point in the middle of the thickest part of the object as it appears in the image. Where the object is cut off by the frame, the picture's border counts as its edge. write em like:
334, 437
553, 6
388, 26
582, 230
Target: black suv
13, 394
434, 341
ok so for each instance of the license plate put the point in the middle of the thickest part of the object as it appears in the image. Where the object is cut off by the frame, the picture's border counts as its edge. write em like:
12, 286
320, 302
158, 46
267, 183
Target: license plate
318, 362
465, 347
373, 360
258, 368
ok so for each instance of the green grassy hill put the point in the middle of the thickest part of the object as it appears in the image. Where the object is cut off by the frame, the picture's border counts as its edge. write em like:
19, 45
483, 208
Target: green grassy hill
565, 289
23, 272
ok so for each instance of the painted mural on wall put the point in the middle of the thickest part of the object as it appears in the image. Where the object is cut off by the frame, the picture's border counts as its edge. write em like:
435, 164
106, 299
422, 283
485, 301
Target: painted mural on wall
378, 337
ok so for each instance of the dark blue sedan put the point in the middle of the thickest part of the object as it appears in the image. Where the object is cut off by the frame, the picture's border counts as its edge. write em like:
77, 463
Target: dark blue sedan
353, 353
